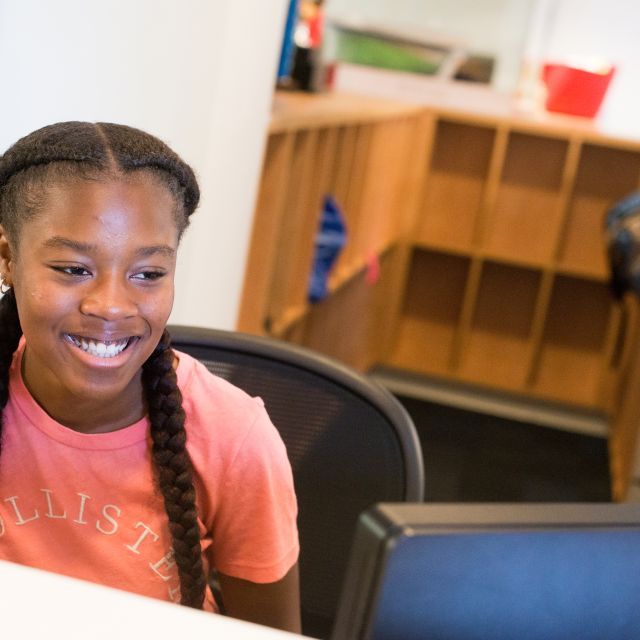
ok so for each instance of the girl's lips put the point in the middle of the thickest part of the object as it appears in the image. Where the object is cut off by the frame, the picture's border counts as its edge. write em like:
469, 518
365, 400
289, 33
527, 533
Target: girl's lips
100, 348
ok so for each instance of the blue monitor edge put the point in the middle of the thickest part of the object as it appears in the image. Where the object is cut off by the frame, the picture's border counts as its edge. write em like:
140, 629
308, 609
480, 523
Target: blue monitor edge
466, 571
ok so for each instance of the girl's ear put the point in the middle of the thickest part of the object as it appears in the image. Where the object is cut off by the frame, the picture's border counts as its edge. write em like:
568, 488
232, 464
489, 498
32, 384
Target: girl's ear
6, 258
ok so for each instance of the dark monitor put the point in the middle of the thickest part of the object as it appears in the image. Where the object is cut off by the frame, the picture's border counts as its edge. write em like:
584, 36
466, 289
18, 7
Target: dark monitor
493, 572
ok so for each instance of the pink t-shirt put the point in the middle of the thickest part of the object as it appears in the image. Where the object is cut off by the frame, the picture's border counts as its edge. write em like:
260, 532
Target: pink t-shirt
87, 506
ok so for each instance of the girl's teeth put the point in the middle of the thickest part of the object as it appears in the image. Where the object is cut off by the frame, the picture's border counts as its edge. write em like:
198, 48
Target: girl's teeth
100, 349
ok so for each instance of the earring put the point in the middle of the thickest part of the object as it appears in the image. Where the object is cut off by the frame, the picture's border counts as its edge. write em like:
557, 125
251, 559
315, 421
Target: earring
4, 287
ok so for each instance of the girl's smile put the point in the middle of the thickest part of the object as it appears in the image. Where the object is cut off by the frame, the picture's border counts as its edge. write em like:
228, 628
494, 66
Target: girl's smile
93, 278
100, 348
101, 352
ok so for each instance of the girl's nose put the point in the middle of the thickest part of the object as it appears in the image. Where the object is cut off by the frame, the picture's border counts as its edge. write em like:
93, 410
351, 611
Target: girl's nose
109, 299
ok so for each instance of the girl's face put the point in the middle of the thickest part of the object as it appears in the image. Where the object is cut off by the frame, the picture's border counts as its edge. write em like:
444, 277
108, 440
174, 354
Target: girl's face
93, 279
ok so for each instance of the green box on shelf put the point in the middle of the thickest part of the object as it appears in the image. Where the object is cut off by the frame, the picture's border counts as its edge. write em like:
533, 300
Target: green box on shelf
374, 51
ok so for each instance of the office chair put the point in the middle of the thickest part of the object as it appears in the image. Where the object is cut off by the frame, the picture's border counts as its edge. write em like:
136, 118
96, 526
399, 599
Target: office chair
350, 442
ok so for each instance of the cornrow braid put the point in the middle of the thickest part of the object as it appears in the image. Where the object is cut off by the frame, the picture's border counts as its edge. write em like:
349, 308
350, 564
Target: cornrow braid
174, 469
148, 156
10, 332
63, 142
86, 151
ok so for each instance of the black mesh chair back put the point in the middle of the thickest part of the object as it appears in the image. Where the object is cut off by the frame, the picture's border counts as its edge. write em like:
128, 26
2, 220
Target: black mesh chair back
350, 442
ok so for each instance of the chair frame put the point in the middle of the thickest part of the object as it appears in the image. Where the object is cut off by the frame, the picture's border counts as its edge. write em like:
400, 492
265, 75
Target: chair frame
319, 364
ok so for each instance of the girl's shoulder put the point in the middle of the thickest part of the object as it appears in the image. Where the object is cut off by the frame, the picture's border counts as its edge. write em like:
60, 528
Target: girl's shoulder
212, 403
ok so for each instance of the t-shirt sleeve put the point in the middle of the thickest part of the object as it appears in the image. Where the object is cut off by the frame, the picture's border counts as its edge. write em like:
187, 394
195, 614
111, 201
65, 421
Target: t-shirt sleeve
254, 531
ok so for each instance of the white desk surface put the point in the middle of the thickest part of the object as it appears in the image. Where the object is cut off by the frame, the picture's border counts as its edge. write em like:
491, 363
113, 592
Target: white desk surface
36, 604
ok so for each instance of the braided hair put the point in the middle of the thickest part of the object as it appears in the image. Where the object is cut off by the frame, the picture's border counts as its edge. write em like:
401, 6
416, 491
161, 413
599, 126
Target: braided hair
71, 151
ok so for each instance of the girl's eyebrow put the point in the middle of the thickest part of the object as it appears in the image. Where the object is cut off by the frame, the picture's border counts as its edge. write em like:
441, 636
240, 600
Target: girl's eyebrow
56, 242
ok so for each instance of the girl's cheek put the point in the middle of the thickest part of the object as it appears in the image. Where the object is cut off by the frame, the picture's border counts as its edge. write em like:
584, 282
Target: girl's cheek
39, 297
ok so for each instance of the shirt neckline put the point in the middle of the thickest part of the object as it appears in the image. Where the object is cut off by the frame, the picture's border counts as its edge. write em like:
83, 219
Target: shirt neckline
31, 411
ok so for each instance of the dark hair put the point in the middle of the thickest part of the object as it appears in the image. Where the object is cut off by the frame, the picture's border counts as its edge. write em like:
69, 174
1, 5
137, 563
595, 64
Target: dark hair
70, 151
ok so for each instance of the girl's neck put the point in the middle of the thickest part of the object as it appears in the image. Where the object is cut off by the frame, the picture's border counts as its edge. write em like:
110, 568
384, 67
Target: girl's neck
87, 414
88, 417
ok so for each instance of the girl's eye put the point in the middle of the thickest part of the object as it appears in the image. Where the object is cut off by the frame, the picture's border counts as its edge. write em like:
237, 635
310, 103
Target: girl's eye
73, 270
148, 275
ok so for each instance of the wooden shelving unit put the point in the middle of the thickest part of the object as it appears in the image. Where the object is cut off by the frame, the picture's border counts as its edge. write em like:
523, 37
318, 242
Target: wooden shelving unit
474, 253
361, 153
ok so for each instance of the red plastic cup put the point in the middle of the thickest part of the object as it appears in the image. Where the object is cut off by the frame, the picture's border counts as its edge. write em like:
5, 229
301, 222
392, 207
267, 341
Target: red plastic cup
575, 91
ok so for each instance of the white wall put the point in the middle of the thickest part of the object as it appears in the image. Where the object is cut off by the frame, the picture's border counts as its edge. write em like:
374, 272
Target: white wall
197, 73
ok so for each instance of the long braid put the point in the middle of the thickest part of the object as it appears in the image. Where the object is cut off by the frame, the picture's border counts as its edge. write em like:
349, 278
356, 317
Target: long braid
173, 466
85, 151
10, 333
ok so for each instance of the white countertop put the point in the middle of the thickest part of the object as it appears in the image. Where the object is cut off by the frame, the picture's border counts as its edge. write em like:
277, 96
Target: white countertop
38, 604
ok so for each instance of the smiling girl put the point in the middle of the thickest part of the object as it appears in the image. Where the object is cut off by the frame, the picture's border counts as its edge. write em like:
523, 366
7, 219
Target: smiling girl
122, 461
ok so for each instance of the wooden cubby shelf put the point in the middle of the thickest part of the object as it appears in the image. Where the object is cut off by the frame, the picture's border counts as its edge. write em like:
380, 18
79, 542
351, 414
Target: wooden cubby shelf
475, 249
455, 188
603, 175
496, 350
428, 327
525, 218
573, 350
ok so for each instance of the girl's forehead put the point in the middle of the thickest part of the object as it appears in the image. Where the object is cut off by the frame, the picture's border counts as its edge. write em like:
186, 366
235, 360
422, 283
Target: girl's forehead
133, 188
107, 209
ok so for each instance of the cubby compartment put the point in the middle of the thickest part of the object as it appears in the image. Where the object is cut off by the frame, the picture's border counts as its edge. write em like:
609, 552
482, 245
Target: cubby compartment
309, 177
343, 164
383, 195
455, 185
265, 233
604, 176
427, 328
573, 351
526, 216
360, 304
497, 348
347, 185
